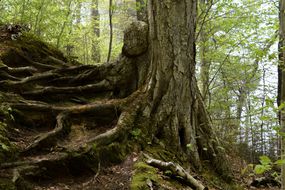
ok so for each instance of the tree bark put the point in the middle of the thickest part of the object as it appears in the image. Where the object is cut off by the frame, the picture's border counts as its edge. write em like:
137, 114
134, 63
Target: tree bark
111, 30
96, 30
205, 64
281, 79
176, 104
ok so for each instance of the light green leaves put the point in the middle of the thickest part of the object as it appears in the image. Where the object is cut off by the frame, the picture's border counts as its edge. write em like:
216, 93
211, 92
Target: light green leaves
260, 169
266, 165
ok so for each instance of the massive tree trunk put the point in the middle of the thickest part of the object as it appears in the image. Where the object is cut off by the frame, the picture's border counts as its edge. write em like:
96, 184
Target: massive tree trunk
83, 114
176, 103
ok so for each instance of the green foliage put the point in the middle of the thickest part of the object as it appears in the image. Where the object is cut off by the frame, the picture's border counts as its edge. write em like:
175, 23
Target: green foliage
279, 162
236, 63
7, 150
136, 133
190, 147
266, 165
68, 24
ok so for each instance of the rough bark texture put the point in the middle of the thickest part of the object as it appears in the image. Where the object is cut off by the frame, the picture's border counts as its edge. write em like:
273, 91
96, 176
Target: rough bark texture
176, 103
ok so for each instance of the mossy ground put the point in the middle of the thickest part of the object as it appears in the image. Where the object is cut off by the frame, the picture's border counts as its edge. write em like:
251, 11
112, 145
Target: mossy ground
34, 47
213, 180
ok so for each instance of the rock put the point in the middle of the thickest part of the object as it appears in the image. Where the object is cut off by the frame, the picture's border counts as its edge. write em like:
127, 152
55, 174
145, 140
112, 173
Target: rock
135, 39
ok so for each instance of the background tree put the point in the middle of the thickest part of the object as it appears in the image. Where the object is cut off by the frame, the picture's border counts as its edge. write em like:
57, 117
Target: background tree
96, 27
281, 83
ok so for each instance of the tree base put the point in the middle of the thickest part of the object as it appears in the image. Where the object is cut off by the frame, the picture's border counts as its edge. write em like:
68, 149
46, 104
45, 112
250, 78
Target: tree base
62, 120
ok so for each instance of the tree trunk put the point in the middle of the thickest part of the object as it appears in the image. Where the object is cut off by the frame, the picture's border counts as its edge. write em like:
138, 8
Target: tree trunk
205, 64
58, 40
37, 27
281, 83
176, 104
96, 30
111, 30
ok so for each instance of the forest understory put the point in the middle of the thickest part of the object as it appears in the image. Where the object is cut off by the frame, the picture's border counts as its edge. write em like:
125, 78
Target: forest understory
70, 126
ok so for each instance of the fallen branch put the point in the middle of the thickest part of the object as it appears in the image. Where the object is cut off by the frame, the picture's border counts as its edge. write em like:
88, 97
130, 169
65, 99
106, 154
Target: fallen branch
177, 170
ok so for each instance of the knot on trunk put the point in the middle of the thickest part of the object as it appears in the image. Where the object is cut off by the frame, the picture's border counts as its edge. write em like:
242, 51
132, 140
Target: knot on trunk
135, 39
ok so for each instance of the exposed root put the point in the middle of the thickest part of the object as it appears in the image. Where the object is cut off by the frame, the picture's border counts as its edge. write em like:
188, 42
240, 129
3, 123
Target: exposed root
63, 114
49, 137
99, 87
40, 160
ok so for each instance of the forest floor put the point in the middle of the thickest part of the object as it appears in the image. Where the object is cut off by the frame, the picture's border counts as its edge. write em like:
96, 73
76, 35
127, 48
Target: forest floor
116, 177
62, 136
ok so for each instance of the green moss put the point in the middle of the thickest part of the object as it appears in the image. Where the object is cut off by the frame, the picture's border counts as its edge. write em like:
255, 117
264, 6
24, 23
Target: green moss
113, 153
34, 46
216, 180
7, 150
159, 152
143, 173
27, 48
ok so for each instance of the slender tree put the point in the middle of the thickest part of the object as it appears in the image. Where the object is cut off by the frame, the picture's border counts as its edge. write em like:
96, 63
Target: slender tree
281, 83
111, 29
66, 21
96, 30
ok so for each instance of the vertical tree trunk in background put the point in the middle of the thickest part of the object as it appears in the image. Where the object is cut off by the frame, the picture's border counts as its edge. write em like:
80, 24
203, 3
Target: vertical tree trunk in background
176, 104
37, 29
96, 30
86, 53
23, 8
240, 104
205, 65
142, 10
78, 13
281, 83
64, 24
111, 29
262, 127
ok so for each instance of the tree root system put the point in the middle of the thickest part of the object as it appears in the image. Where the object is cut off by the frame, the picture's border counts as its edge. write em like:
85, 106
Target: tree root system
67, 119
